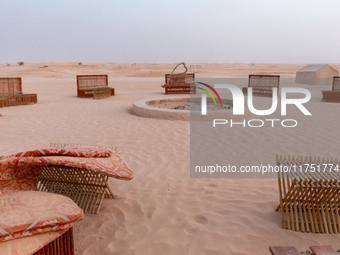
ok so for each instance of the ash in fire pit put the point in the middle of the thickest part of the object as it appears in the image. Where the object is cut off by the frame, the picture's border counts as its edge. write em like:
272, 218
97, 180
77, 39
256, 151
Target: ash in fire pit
191, 104
197, 107
181, 108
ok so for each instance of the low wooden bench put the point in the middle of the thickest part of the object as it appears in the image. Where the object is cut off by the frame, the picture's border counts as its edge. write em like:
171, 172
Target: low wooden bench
49, 243
85, 187
94, 86
62, 245
179, 84
102, 92
314, 250
333, 95
262, 84
11, 93
309, 189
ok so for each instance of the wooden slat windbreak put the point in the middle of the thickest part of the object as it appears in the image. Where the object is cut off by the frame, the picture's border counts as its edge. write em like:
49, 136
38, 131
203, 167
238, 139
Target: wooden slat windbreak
85, 187
332, 96
309, 199
268, 81
64, 245
336, 83
92, 81
195, 69
10, 86
262, 84
185, 78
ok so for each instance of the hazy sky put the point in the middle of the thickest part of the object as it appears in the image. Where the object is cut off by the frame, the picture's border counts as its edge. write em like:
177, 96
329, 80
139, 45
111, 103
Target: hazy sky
155, 31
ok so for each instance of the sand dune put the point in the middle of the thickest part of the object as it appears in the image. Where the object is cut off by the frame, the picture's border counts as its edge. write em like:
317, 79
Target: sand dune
162, 210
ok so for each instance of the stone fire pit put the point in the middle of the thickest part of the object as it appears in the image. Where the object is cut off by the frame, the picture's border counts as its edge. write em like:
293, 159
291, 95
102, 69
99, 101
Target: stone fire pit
178, 108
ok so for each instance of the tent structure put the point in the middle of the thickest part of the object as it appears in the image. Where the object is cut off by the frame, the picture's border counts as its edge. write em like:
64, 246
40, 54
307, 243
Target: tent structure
316, 75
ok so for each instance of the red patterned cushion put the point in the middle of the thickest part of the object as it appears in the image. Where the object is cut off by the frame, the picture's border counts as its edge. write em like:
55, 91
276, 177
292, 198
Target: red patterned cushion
25, 213
30, 244
113, 166
76, 151
19, 172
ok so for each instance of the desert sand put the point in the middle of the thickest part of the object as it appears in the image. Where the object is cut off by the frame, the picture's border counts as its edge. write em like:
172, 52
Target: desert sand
162, 210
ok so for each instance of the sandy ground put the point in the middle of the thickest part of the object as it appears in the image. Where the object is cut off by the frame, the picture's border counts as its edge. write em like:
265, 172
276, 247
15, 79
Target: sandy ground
162, 210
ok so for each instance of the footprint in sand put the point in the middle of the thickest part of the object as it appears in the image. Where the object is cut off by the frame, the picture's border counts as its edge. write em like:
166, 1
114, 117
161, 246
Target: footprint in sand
209, 190
192, 227
200, 219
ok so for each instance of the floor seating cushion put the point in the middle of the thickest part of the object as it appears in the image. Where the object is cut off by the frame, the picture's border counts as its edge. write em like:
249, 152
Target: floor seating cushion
20, 171
26, 213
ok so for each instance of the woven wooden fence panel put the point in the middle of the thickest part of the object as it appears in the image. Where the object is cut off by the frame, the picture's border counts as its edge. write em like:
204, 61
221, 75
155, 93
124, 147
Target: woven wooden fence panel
336, 83
264, 81
91, 81
10, 86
